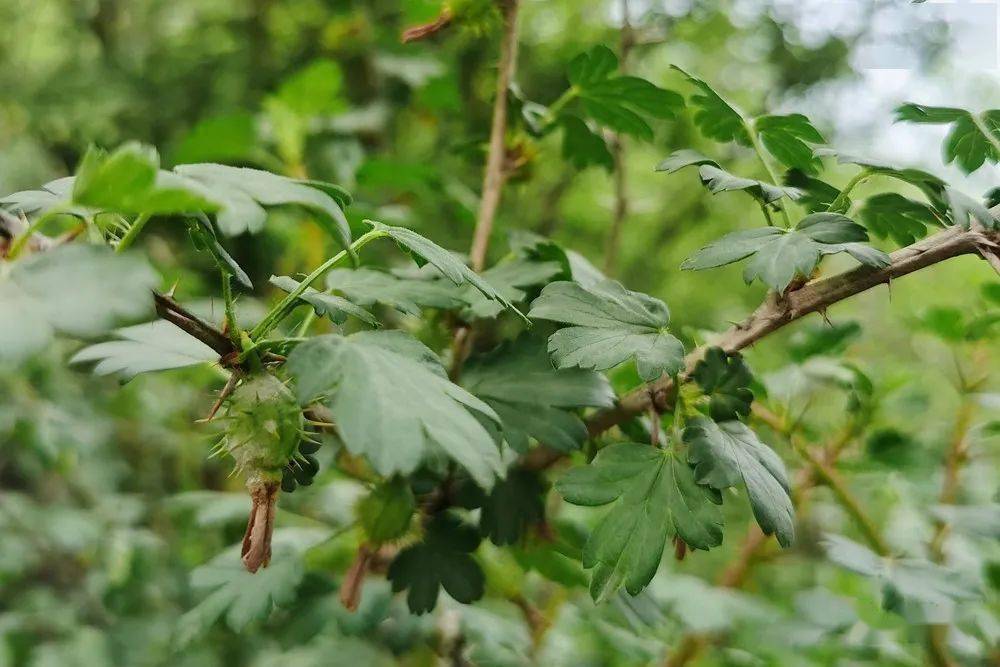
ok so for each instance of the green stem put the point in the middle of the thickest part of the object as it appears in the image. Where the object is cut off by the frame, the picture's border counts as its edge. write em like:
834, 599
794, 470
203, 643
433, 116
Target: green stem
303, 327
839, 200
550, 116
22, 240
133, 232
286, 305
832, 480
232, 328
759, 150
767, 214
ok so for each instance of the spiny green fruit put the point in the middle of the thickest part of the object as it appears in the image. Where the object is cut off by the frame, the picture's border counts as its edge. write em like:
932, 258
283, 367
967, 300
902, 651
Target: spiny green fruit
263, 427
264, 424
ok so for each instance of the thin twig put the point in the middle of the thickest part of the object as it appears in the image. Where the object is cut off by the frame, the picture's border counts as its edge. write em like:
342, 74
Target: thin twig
618, 154
494, 175
958, 453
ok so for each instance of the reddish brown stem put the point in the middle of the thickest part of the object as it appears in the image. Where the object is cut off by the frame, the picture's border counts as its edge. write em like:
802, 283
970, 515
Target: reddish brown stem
350, 589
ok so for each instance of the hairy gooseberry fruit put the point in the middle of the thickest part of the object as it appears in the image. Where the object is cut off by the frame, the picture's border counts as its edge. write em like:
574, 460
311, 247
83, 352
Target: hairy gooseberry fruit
264, 424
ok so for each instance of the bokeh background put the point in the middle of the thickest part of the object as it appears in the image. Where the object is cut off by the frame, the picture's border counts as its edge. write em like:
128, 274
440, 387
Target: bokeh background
108, 503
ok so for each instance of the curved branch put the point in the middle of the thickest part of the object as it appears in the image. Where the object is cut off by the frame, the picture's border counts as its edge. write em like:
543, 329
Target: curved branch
779, 311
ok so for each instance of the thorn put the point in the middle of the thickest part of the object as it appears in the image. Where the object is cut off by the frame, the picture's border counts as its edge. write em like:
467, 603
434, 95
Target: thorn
223, 395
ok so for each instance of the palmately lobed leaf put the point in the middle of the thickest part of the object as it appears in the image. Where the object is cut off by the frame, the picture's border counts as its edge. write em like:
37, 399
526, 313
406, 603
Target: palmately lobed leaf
717, 179
393, 404
655, 495
933, 187
386, 512
923, 592
335, 307
973, 138
244, 192
425, 251
534, 399
366, 287
610, 325
615, 102
582, 146
440, 560
725, 379
715, 117
891, 215
777, 256
129, 180
76, 290
728, 453
142, 348
787, 138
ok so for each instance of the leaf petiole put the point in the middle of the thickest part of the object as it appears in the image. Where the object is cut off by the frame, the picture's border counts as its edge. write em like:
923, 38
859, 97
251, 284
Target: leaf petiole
759, 150
285, 306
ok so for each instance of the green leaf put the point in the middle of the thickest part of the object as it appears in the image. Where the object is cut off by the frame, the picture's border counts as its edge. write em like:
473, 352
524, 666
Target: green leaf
787, 138
582, 146
30, 203
128, 180
245, 597
225, 138
440, 560
154, 346
393, 404
385, 513
204, 235
921, 591
817, 196
717, 179
335, 307
515, 504
616, 102
555, 556
367, 287
77, 290
314, 89
512, 278
976, 520
533, 399
932, 186
729, 453
592, 66
972, 138
610, 325
779, 255
655, 496
715, 117
726, 380
245, 192
425, 251
891, 215
966, 210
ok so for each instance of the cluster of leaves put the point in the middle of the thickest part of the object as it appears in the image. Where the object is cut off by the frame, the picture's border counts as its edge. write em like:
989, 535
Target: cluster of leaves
441, 454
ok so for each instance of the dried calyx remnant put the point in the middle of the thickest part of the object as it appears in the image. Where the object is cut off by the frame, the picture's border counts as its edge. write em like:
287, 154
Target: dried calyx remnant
263, 428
